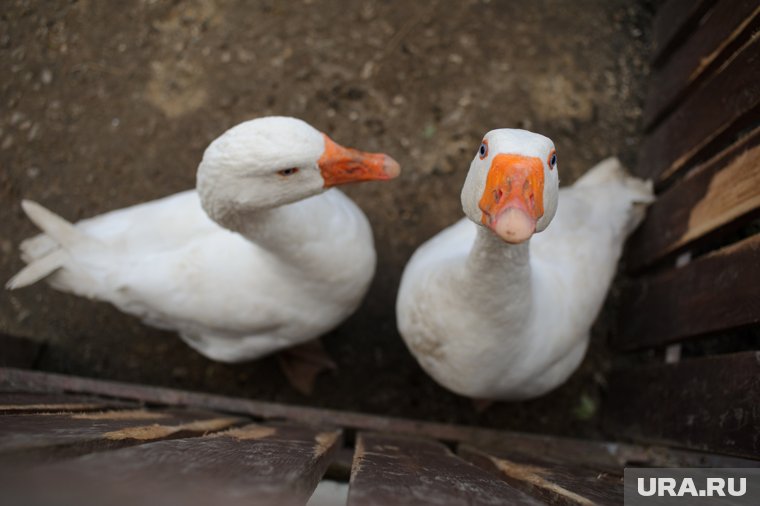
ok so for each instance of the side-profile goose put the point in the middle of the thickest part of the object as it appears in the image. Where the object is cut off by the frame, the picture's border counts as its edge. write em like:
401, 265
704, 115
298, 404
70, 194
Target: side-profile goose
489, 312
263, 256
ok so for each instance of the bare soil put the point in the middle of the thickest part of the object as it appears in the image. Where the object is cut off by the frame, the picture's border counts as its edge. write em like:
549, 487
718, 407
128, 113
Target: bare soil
107, 104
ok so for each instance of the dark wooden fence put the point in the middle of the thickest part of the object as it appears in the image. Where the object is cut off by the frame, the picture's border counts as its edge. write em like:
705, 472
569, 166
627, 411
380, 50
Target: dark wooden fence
685, 390
69, 440
690, 317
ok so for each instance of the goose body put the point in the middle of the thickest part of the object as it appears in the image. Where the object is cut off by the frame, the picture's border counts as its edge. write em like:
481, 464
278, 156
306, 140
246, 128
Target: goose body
491, 316
260, 258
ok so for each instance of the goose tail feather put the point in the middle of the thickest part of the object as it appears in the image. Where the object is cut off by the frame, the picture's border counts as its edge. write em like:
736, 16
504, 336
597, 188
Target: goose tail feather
61, 231
48, 252
37, 270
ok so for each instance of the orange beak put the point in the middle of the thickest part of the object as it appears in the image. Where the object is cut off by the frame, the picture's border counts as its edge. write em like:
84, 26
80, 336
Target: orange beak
340, 165
513, 200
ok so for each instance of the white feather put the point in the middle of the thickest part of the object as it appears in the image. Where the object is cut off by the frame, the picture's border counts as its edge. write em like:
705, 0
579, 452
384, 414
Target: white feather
295, 268
37, 270
521, 331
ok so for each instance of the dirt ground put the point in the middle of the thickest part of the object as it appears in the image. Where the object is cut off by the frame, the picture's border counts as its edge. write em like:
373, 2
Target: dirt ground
107, 104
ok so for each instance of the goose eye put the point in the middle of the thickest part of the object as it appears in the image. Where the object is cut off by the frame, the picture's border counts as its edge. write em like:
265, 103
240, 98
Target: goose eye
483, 151
287, 172
553, 160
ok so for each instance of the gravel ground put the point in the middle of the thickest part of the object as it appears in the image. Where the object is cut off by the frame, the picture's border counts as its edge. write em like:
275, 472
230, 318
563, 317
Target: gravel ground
107, 104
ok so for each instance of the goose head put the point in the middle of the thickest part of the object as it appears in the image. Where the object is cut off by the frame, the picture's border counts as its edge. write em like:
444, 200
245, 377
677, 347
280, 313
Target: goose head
512, 187
272, 161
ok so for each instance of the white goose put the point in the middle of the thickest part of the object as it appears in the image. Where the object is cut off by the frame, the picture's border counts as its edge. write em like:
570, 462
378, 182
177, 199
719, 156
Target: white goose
488, 313
263, 256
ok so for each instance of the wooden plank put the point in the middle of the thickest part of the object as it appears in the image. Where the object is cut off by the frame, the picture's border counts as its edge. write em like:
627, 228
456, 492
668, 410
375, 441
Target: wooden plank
708, 404
716, 292
709, 118
721, 32
41, 437
256, 464
18, 352
16, 403
552, 483
595, 453
604, 453
721, 194
403, 471
672, 24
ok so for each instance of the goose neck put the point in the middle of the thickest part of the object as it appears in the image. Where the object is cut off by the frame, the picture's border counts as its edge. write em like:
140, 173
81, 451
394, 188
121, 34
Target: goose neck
498, 274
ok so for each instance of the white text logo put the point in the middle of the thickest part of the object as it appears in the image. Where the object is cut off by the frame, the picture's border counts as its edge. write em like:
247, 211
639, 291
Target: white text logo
670, 487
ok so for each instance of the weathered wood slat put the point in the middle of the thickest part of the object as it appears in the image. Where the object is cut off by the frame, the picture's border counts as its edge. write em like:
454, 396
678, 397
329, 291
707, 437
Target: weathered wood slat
405, 471
552, 483
724, 105
721, 31
722, 193
42, 437
716, 292
266, 465
593, 453
708, 404
12, 403
673, 22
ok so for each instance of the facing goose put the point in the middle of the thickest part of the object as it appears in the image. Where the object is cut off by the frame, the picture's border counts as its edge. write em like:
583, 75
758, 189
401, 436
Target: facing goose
491, 313
263, 256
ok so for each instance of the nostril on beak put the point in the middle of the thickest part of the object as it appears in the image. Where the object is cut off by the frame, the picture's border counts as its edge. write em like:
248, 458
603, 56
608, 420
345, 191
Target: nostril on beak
497, 194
